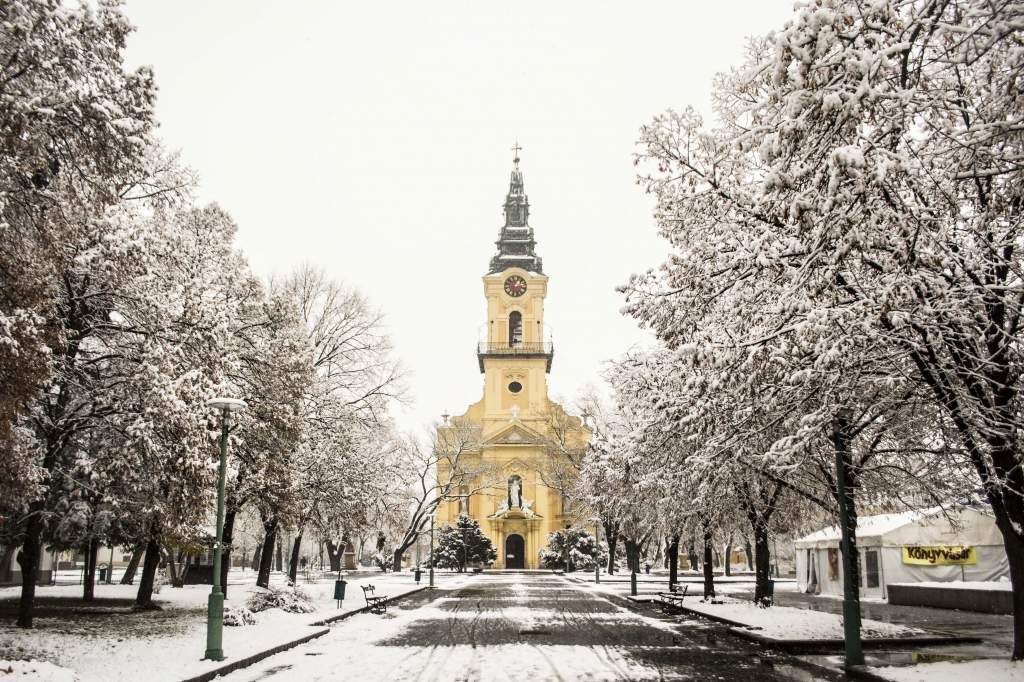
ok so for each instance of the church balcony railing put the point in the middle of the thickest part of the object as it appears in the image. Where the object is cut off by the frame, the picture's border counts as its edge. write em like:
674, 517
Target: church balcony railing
545, 349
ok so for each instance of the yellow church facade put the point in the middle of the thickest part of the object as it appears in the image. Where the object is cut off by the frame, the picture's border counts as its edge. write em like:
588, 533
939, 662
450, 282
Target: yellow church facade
510, 459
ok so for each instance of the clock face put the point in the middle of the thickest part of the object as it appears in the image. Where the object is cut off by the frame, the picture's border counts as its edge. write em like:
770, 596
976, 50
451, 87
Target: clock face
515, 286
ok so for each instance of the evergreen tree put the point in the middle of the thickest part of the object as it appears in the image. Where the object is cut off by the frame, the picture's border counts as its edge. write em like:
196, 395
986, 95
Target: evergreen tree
583, 550
463, 544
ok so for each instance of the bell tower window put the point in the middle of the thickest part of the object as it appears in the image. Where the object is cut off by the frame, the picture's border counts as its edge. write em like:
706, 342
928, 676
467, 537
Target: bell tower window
515, 328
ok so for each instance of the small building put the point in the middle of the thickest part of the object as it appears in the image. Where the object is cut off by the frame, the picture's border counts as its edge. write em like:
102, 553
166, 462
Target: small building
928, 545
10, 569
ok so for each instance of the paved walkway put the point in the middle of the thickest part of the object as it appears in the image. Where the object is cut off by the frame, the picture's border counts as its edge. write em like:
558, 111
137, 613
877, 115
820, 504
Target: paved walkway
508, 626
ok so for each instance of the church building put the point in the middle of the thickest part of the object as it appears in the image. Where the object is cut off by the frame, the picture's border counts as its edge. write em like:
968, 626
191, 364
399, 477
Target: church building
513, 455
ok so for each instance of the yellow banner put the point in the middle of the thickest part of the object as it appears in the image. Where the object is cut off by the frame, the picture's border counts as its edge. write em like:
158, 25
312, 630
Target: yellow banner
939, 556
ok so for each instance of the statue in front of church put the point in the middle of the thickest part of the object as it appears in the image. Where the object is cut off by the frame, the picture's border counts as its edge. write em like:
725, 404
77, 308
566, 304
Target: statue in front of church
515, 493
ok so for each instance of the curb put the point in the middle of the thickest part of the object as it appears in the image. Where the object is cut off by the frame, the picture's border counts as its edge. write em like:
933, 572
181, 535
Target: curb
260, 655
855, 672
819, 645
254, 658
814, 646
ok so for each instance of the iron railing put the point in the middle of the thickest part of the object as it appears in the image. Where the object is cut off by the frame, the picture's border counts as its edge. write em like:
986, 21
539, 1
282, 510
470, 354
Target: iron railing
533, 349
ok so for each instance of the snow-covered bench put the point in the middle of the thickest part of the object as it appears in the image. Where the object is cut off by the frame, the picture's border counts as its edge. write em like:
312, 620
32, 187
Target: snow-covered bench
377, 604
673, 599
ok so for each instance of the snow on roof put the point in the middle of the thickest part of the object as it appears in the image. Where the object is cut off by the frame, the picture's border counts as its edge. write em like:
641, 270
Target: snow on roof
872, 526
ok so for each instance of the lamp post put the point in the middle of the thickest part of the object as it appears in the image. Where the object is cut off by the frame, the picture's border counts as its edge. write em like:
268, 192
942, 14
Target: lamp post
565, 547
465, 561
851, 606
215, 605
597, 549
432, 518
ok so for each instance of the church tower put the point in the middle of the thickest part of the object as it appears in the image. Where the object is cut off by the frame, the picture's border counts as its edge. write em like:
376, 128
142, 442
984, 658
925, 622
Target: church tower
508, 456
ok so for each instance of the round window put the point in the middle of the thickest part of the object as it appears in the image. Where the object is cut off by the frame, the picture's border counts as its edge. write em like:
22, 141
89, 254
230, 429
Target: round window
515, 387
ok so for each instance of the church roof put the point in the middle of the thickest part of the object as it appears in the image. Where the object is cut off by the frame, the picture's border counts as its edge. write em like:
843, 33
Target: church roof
515, 241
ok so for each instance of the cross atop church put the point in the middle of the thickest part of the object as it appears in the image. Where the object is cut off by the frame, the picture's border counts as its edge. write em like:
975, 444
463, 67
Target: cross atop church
515, 150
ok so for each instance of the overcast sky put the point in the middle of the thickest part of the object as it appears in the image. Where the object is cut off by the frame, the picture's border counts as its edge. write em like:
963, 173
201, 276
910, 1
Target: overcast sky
373, 138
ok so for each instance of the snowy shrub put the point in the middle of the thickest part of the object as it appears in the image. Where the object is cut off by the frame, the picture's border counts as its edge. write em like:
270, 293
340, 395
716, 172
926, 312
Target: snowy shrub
238, 616
287, 598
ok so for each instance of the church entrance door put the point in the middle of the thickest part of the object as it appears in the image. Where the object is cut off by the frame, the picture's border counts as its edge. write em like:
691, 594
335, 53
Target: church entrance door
515, 552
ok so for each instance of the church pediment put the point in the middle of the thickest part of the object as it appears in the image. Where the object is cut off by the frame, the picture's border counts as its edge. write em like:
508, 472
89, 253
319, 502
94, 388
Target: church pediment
515, 434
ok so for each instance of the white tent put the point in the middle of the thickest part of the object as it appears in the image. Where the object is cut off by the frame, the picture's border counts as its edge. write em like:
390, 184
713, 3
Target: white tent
913, 546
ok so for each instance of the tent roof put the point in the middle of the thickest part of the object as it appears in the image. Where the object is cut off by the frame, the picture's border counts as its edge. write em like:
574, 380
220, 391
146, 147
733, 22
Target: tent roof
916, 525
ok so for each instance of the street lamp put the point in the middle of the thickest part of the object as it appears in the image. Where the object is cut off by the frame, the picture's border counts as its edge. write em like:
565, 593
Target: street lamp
433, 517
565, 547
841, 422
597, 549
215, 606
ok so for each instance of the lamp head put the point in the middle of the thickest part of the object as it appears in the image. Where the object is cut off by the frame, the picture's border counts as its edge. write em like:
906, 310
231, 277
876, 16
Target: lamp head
226, 404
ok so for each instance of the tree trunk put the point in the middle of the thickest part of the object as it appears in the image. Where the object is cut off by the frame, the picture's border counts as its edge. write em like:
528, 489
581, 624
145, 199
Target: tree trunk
750, 554
633, 555
225, 561
92, 549
267, 554
1015, 556
28, 560
709, 568
279, 557
293, 569
762, 561
673, 561
691, 556
257, 552
396, 560
133, 565
334, 553
144, 598
728, 557
611, 535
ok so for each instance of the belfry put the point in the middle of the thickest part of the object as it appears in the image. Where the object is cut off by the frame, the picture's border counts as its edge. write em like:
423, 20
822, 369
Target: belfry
512, 452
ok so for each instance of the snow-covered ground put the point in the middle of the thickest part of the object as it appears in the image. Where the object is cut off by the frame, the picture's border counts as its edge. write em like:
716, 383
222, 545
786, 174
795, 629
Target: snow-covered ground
37, 671
981, 670
785, 622
169, 644
373, 648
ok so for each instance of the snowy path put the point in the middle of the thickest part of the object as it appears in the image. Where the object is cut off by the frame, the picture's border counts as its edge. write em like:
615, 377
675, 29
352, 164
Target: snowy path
520, 627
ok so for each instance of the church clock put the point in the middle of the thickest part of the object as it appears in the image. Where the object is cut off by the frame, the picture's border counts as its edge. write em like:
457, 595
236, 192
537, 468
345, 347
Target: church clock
515, 286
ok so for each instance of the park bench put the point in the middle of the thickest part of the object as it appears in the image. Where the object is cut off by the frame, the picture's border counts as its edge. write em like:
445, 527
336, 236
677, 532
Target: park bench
377, 604
672, 600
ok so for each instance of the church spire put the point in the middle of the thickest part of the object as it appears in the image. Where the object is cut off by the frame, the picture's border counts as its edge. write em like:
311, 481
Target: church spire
515, 241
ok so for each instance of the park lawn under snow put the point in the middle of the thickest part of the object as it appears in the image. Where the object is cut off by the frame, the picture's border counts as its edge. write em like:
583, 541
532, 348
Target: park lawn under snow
789, 623
169, 644
37, 671
981, 670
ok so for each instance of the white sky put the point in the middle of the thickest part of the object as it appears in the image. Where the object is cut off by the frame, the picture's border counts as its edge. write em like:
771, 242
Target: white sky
373, 138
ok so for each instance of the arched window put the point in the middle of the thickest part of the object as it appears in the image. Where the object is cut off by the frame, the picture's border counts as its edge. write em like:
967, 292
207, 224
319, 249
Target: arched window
515, 328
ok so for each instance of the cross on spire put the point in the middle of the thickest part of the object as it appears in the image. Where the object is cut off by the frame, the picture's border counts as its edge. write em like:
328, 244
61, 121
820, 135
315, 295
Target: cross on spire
515, 151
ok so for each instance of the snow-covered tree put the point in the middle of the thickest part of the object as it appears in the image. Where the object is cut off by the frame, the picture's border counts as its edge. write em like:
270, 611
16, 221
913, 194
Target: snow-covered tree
584, 551
462, 545
859, 201
432, 475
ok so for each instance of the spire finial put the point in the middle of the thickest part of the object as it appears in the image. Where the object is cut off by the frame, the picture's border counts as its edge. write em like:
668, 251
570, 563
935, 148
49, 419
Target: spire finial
515, 151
